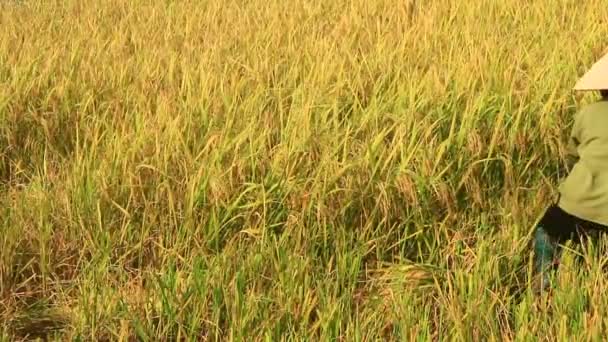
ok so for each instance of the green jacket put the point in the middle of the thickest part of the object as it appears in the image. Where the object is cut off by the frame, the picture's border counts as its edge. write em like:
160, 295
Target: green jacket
584, 193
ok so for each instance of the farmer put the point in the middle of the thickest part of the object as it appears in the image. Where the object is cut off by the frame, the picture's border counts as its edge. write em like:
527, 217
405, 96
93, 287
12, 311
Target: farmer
583, 196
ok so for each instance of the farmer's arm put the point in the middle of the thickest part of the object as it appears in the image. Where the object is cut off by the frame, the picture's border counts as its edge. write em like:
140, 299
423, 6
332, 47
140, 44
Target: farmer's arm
574, 140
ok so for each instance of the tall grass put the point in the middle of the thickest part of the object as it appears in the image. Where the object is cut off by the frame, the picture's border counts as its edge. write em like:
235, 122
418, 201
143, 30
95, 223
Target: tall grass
268, 170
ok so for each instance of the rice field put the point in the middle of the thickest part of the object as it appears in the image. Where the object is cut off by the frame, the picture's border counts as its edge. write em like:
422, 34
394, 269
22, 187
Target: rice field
289, 170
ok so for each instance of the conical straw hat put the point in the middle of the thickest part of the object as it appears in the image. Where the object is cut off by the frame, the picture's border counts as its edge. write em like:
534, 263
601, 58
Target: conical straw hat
596, 78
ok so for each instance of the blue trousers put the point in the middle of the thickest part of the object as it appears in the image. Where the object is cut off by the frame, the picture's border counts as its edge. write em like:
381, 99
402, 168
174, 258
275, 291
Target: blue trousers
557, 227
